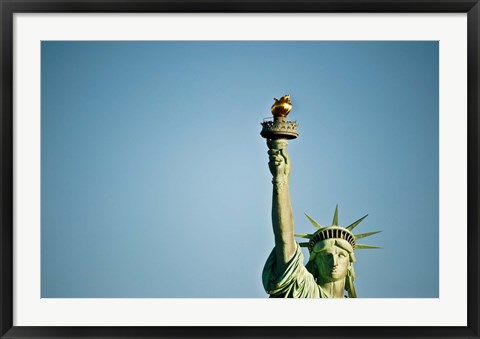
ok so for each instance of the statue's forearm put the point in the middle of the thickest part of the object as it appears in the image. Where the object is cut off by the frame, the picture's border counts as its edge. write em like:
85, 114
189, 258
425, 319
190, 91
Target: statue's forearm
282, 216
282, 221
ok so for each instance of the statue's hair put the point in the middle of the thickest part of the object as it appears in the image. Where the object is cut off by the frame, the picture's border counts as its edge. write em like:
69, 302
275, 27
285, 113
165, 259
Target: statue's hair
312, 268
349, 286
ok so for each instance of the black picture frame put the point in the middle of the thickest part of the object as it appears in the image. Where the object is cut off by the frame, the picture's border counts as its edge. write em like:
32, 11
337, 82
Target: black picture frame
9, 7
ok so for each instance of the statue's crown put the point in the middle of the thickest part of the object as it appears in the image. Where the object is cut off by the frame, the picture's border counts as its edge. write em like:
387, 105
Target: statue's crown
335, 232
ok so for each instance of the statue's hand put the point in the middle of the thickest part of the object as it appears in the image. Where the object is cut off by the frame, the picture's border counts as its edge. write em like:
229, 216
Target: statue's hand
279, 161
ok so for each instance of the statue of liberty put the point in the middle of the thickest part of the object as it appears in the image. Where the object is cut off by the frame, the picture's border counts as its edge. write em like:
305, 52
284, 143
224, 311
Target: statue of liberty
329, 271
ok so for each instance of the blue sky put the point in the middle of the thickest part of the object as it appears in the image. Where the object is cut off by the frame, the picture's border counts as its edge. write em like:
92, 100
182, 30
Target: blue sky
155, 180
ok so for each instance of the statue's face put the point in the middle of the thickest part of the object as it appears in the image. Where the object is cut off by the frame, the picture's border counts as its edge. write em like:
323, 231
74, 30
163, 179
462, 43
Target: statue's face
332, 264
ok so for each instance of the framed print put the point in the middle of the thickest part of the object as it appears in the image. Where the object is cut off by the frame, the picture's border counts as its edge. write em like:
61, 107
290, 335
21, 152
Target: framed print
147, 190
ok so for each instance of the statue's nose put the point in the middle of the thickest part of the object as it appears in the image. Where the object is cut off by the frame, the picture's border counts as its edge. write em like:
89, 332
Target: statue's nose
335, 260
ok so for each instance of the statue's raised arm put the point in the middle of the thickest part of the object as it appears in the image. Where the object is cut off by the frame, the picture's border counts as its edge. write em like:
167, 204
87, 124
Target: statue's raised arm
282, 215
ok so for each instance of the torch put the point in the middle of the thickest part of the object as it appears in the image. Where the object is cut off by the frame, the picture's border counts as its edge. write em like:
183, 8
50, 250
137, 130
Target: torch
279, 127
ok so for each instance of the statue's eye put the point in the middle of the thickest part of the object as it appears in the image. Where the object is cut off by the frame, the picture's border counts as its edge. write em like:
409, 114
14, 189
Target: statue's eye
342, 255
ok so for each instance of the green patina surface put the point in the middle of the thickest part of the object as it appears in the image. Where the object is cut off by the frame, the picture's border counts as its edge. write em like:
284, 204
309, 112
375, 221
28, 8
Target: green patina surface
329, 272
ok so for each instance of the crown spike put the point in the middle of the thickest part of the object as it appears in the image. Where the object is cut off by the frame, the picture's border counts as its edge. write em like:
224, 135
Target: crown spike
352, 226
335, 217
314, 223
304, 244
364, 235
360, 246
